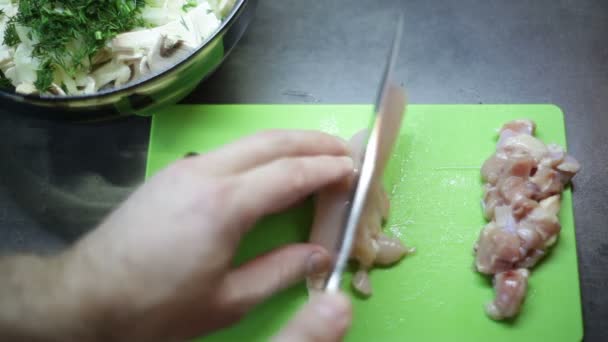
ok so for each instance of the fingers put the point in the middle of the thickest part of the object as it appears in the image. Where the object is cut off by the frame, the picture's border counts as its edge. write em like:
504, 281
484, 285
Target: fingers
325, 318
265, 147
262, 277
278, 185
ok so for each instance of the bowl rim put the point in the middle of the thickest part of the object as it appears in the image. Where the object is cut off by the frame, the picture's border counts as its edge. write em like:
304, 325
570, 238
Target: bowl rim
139, 83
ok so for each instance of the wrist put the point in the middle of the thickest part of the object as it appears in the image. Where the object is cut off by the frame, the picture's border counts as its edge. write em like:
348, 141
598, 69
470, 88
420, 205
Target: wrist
109, 298
35, 305
96, 300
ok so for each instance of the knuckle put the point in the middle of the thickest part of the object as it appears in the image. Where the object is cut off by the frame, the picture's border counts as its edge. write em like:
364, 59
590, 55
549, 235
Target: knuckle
298, 177
211, 197
182, 170
218, 193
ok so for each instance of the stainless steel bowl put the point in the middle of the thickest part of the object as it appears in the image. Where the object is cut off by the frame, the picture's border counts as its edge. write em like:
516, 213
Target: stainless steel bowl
145, 96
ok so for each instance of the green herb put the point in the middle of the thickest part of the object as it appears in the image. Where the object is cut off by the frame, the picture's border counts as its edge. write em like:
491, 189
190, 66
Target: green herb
189, 4
45, 76
11, 38
69, 32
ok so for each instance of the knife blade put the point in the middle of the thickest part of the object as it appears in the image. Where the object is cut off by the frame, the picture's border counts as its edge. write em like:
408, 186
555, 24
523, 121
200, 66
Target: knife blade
385, 125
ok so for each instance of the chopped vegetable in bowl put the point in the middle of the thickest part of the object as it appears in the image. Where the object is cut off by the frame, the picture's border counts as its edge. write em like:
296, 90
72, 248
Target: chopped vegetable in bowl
78, 47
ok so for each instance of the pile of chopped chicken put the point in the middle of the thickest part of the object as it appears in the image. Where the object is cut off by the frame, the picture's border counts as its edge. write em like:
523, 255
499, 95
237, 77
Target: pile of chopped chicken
372, 246
524, 181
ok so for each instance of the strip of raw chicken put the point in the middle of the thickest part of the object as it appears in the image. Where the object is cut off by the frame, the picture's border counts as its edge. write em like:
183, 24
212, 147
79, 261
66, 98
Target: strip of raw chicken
372, 245
524, 181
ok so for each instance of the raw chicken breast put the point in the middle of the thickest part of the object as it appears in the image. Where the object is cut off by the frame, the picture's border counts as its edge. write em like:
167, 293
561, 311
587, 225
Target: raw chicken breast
524, 181
510, 287
372, 246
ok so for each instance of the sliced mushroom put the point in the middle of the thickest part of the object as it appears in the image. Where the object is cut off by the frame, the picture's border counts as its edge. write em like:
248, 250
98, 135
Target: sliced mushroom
26, 88
123, 77
86, 84
145, 40
89, 88
134, 42
167, 52
129, 58
139, 68
56, 90
103, 56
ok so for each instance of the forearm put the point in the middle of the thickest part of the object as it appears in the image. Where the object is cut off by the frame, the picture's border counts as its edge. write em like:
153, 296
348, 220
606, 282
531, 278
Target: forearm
41, 299
88, 293
29, 307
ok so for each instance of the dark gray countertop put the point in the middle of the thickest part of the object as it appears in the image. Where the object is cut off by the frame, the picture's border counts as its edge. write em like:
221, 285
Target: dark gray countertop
58, 180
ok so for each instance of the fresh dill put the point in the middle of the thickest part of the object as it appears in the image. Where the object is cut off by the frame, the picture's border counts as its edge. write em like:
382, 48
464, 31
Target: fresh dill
45, 76
69, 32
189, 4
11, 38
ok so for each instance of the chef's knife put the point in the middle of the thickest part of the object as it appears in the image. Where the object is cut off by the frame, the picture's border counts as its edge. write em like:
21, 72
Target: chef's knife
385, 126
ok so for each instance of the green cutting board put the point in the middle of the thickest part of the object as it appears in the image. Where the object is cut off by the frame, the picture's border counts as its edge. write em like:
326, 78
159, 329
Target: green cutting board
435, 189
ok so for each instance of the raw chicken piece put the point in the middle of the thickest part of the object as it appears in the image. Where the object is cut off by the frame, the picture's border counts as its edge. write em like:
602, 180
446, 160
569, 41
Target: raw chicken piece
498, 164
493, 168
517, 192
491, 200
523, 145
521, 126
390, 250
548, 181
498, 247
372, 246
524, 181
510, 287
362, 283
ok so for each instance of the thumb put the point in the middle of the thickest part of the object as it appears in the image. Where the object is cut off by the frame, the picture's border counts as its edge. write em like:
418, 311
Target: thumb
325, 318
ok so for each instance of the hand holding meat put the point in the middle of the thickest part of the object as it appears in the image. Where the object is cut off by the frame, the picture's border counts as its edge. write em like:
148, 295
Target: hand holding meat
160, 267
